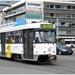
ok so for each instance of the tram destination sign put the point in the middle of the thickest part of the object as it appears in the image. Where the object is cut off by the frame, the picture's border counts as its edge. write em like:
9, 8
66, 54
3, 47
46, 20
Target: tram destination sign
47, 26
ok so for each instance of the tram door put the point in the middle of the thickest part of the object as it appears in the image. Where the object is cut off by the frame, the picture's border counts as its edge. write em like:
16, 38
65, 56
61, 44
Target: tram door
3, 43
28, 44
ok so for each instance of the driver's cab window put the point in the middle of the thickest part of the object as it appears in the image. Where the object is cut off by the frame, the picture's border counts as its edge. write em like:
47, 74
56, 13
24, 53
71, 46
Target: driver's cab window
37, 37
44, 36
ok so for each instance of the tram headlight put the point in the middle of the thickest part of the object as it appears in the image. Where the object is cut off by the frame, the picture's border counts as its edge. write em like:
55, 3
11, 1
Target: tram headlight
49, 49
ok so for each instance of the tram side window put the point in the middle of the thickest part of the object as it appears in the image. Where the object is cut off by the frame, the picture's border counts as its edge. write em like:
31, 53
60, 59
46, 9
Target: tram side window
18, 37
14, 37
8, 37
67, 42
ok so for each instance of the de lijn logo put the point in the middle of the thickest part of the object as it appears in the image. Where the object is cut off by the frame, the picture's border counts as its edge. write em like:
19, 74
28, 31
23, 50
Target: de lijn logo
19, 22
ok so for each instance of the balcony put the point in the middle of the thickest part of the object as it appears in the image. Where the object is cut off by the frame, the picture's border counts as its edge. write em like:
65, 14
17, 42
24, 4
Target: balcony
64, 32
66, 36
15, 14
65, 19
65, 28
51, 10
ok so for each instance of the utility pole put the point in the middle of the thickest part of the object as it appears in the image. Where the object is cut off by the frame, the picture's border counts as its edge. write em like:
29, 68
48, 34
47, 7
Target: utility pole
57, 24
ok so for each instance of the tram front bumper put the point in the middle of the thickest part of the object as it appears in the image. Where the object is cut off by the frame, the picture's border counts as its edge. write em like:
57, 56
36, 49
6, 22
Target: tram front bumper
53, 57
47, 58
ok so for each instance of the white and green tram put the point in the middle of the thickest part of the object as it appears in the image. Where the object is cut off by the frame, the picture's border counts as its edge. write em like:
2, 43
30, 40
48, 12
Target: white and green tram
31, 42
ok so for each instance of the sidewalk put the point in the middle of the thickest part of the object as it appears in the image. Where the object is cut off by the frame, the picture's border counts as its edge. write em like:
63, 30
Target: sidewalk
73, 48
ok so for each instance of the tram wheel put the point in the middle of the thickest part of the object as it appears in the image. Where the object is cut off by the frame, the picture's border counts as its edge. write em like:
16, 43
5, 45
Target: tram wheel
16, 57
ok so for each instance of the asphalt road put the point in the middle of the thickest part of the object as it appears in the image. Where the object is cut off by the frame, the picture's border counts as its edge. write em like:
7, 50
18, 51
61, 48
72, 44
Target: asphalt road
65, 65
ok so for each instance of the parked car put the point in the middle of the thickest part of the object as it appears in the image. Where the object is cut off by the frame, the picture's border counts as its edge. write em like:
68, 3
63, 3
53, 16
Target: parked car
63, 49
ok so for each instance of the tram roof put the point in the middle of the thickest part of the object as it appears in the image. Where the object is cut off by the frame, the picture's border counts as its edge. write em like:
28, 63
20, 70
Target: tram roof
25, 26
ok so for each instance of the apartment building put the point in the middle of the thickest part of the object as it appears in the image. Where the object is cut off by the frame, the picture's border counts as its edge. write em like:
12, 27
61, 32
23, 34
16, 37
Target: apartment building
46, 10
1, 13
4, 4
65, 12
20, 11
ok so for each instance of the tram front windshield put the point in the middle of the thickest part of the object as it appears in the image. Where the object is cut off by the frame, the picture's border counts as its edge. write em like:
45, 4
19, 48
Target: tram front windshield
45, 36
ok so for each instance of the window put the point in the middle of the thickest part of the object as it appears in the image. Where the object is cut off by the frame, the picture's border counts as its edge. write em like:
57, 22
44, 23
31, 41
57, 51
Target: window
45, 36
14, 37
57, 15
22, 16
46, 14
63, 15
8, 37
62, 6
68, 7
62, 33
73, 15
67, 42
51, 14
51, 6
69, 32
62, 23
68, 15
57, 6
73, 7
46, 6
21, 8
14, 19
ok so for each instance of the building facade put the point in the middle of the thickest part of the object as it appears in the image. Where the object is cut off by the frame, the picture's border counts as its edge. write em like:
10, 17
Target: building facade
32, 12
62, 14
65, 12
4, 4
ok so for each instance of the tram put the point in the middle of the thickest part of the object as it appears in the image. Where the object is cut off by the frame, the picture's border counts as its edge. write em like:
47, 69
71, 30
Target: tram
31, 42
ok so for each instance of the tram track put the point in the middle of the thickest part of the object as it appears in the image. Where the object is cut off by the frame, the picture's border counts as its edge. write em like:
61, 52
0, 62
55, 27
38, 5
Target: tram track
64, 64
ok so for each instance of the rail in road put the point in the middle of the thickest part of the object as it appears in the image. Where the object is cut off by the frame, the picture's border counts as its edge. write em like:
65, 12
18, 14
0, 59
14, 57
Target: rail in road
65, 64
